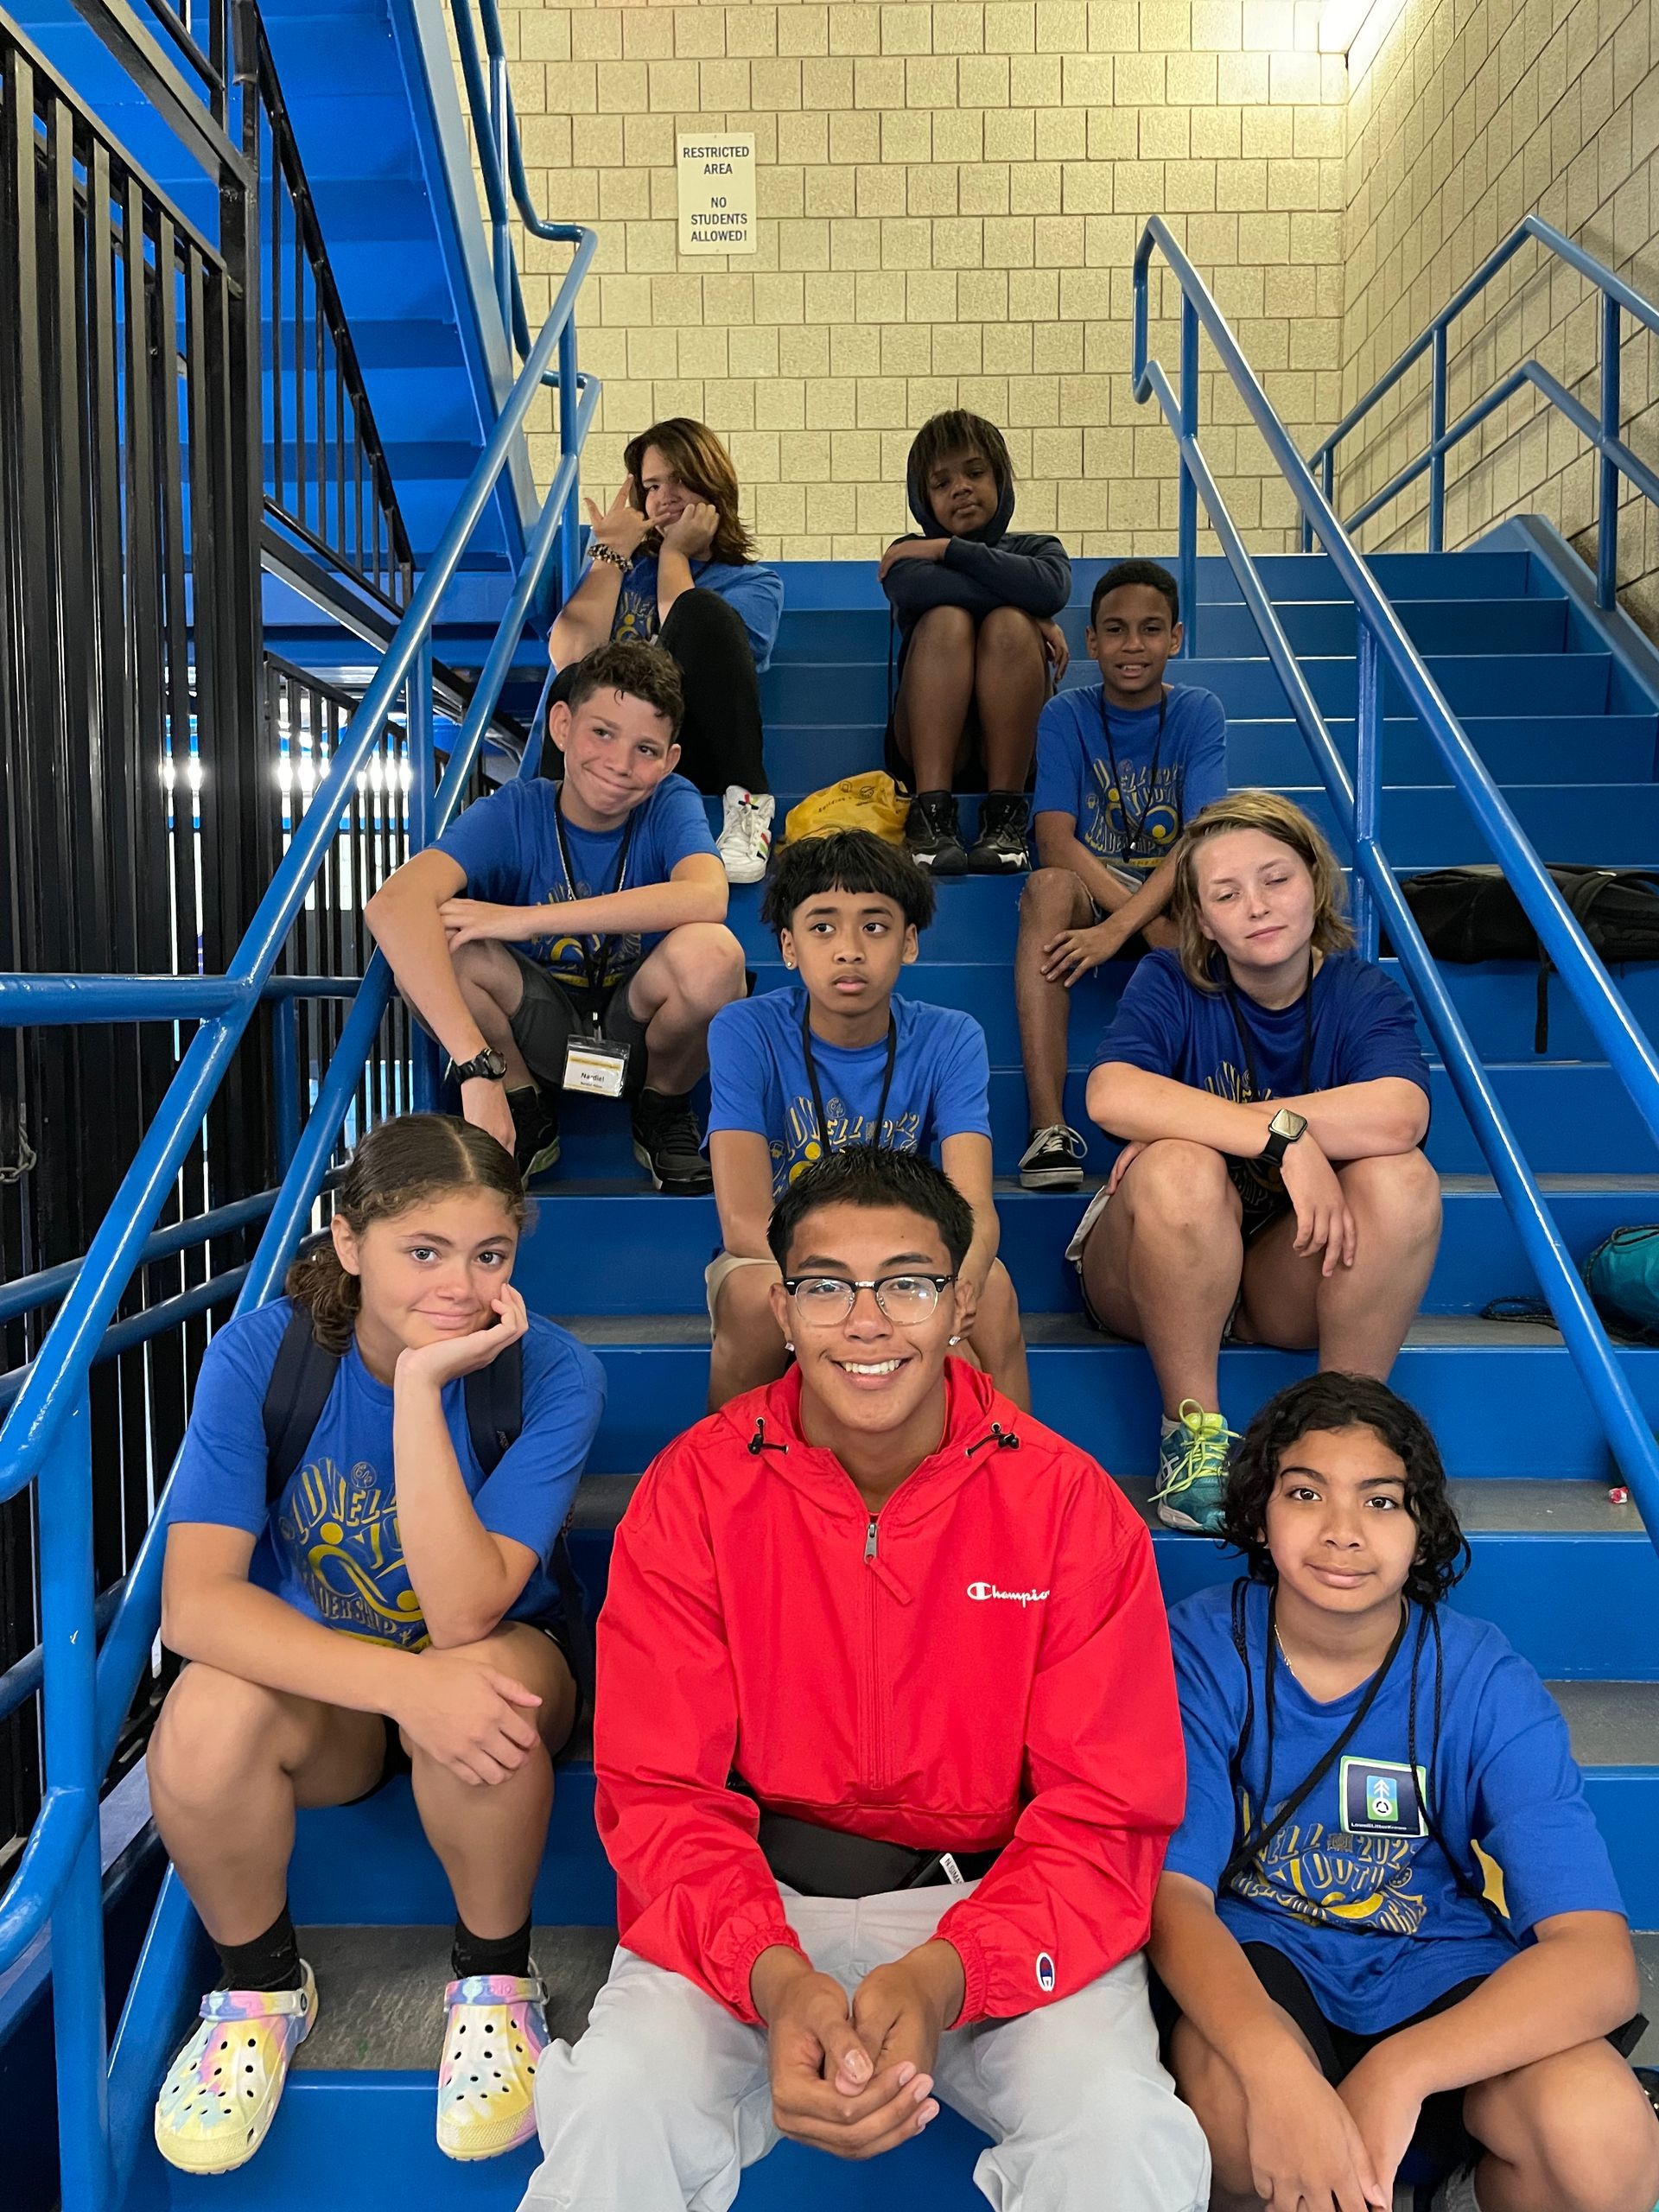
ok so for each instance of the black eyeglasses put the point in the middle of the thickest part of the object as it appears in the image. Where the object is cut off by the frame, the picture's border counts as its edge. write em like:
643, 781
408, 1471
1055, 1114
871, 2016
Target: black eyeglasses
825, 1300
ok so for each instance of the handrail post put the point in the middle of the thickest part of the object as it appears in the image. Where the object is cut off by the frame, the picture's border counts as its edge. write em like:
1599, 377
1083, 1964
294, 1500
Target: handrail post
285, 1053
1188, 510
567, 444
1368, 782
69, 1655
501, 223
1437, 444
1607, 517
423, 803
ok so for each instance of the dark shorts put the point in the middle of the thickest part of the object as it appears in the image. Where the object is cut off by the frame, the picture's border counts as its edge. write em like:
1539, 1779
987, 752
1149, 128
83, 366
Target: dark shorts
551, 1013
1441, 2139
395, 1760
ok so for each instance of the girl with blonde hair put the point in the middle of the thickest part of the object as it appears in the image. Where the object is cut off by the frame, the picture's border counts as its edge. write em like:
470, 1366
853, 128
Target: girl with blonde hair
1271, 1095
671, 565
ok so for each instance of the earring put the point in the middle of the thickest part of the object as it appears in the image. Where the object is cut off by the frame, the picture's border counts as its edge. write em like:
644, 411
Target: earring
956, 1340
788, 1346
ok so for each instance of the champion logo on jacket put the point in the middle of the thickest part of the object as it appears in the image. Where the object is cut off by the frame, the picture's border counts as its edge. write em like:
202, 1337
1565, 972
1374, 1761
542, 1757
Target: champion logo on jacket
767, 1640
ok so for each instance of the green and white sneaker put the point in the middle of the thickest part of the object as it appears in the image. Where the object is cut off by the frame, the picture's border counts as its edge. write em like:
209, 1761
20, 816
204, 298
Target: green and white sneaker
1193, 1470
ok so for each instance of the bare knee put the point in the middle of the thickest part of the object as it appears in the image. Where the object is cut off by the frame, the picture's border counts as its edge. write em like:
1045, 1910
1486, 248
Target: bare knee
1050, 898
491, 969
1580, 2122
950, 626
996, 1329
744, 1305
1398, 1194
703, 967
1007, 630
1177, 1184
212, 1732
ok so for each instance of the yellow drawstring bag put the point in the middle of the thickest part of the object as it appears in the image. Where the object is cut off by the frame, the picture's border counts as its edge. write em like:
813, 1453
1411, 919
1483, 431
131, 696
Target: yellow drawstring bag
872, 802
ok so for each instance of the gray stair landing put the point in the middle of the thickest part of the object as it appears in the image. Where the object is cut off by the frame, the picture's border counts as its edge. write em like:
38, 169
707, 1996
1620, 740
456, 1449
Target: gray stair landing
380, 1992
381, 2000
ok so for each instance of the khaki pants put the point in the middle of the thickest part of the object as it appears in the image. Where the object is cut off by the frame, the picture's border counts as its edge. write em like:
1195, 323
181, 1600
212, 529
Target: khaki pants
662, 2102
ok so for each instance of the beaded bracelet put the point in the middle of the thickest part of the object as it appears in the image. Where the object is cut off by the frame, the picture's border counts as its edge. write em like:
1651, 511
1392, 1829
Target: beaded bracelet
609, 553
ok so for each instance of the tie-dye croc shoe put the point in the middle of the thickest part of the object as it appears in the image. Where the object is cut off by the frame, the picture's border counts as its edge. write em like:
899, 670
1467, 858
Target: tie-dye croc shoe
222, 2090
494, 2033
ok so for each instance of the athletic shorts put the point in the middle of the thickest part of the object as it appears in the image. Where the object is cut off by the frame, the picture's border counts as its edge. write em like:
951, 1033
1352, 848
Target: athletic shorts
395, 1760
552, 1012
1441, 2139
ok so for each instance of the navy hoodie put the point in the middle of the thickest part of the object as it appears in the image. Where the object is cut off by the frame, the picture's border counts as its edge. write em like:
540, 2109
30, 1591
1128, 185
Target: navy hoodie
987, 568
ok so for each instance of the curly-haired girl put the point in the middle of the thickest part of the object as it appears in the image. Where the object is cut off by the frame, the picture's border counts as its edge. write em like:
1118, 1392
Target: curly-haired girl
1387, 1924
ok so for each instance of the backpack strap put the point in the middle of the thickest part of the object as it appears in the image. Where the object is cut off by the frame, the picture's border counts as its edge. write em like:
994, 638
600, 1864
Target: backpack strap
495, 1407
495, 1419
300, 1379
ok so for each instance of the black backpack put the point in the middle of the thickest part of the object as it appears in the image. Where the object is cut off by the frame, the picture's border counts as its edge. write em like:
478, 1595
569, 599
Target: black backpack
303, 1375
1472, 914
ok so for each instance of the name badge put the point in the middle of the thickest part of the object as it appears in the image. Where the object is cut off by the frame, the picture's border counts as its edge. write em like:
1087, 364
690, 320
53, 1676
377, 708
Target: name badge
597, 1066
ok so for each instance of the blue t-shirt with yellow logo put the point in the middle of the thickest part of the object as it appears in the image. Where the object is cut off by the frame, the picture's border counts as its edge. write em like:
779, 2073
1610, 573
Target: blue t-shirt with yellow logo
509, 846
329, 1546
1159, 787
753, 591
1353, 1889
757, 1081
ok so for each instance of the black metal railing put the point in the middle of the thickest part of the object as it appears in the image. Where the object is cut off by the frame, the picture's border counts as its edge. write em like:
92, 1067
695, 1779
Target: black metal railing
129, 757
326, 478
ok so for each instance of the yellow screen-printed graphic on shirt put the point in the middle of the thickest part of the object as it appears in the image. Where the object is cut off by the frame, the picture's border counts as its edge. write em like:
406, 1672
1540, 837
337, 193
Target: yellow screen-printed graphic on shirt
565, 957
1258, 1182
1316, 1873
1137, 807
794, 1152
338, 1528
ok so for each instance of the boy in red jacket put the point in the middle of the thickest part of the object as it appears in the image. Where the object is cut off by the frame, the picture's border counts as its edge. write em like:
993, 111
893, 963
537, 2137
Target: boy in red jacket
888, 1756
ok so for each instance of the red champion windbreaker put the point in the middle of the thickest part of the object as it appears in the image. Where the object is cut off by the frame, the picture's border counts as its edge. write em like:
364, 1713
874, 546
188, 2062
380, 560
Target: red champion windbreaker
985, 1663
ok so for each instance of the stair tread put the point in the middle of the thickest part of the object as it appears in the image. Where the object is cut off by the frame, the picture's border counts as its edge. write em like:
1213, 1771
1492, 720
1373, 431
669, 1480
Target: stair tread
1009, 1186
1613, 1724
381, 1992
1538, 1505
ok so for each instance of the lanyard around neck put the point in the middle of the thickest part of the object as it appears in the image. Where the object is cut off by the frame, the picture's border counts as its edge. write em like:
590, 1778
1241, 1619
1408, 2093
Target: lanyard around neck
1256, 1093
595, 950
1135, 826
875, 1138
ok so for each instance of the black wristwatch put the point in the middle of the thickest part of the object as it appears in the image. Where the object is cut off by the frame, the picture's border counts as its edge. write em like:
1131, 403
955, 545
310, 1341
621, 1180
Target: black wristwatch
1282, 1131
488, 1066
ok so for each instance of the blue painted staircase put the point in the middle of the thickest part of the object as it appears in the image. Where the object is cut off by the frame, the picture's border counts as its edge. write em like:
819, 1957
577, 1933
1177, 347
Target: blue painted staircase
372, 93
1569, 728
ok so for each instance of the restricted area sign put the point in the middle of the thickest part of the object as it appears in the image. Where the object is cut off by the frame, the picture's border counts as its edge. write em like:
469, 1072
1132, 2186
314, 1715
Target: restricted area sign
716, 192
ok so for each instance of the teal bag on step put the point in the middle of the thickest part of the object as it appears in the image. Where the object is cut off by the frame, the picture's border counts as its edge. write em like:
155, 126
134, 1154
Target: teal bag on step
1621, 1275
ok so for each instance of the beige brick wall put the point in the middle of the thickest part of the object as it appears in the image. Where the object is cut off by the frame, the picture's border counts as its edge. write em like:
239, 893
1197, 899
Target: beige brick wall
950, 196
1463, 117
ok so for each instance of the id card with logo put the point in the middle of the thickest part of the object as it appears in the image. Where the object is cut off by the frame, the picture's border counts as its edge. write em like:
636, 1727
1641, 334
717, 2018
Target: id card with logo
1383, 1797
596, 1065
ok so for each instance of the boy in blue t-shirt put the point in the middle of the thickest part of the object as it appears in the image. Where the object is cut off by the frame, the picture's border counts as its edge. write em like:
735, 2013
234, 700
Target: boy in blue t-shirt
572, 936
1120, 766
1272, 1098
1387, 1932
843, 1060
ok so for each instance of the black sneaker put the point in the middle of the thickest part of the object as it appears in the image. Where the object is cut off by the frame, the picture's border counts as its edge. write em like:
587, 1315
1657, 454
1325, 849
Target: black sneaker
536, 1131
932, 836
1053, 1159
1000, 848
668, 1144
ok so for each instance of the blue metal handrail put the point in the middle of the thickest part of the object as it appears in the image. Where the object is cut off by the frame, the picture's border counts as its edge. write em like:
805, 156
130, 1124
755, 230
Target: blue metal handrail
501, 160
46, 1437
1600, 428
1383, 645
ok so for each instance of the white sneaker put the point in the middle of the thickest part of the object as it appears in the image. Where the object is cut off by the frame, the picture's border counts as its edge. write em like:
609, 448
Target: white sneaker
745, 840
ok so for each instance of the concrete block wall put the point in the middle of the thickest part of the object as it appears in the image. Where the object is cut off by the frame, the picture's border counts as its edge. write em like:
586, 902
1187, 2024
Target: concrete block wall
950, 196
1461, 120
